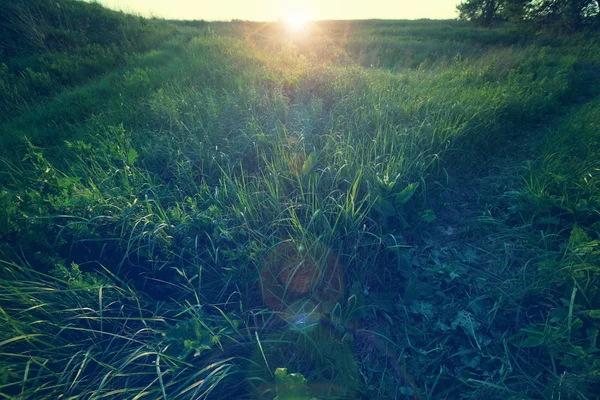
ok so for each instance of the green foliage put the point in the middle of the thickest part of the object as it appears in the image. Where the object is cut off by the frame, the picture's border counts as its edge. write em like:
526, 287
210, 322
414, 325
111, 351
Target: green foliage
565, 181
65, 334
290, 386
202, 333
566, 14
405, 194
569, 334
309, 164
569, 14
483, 12
154, 171
52, 46
560, 194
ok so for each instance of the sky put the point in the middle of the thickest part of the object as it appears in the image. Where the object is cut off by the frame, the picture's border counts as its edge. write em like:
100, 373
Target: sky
270, 10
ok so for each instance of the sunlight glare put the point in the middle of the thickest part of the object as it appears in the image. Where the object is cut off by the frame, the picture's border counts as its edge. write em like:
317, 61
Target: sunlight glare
296, 20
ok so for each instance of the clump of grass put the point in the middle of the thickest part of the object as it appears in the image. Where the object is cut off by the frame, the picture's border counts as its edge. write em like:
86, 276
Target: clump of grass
262, 201
559, 198
69, 334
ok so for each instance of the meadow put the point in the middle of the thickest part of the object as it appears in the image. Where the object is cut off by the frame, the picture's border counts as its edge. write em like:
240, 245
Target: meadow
363, 209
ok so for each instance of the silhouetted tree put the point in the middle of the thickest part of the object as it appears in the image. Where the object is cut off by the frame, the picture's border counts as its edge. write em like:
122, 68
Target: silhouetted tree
571, 14
482, 12
515, 10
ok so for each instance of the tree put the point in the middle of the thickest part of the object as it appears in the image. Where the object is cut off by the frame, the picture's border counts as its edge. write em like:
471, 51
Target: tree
515, 10
570, 14
482, 12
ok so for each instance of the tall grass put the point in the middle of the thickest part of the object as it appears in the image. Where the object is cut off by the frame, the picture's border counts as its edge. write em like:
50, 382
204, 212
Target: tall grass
235, 199
82, 337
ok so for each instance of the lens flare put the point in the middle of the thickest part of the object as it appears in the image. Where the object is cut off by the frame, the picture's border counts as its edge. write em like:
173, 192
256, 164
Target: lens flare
297, 20
301, 286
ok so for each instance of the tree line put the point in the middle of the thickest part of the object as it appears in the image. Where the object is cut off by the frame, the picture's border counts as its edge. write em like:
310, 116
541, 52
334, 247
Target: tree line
569, 14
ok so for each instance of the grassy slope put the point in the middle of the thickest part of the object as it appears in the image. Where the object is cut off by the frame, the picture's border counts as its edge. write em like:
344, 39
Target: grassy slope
154, 197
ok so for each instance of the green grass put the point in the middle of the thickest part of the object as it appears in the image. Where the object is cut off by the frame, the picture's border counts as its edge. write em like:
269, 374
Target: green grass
390, 208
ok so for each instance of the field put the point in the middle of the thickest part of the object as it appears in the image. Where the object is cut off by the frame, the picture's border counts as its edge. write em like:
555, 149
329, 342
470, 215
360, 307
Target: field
392, 209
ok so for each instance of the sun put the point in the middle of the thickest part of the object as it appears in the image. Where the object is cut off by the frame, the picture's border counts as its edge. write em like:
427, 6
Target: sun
296, 19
